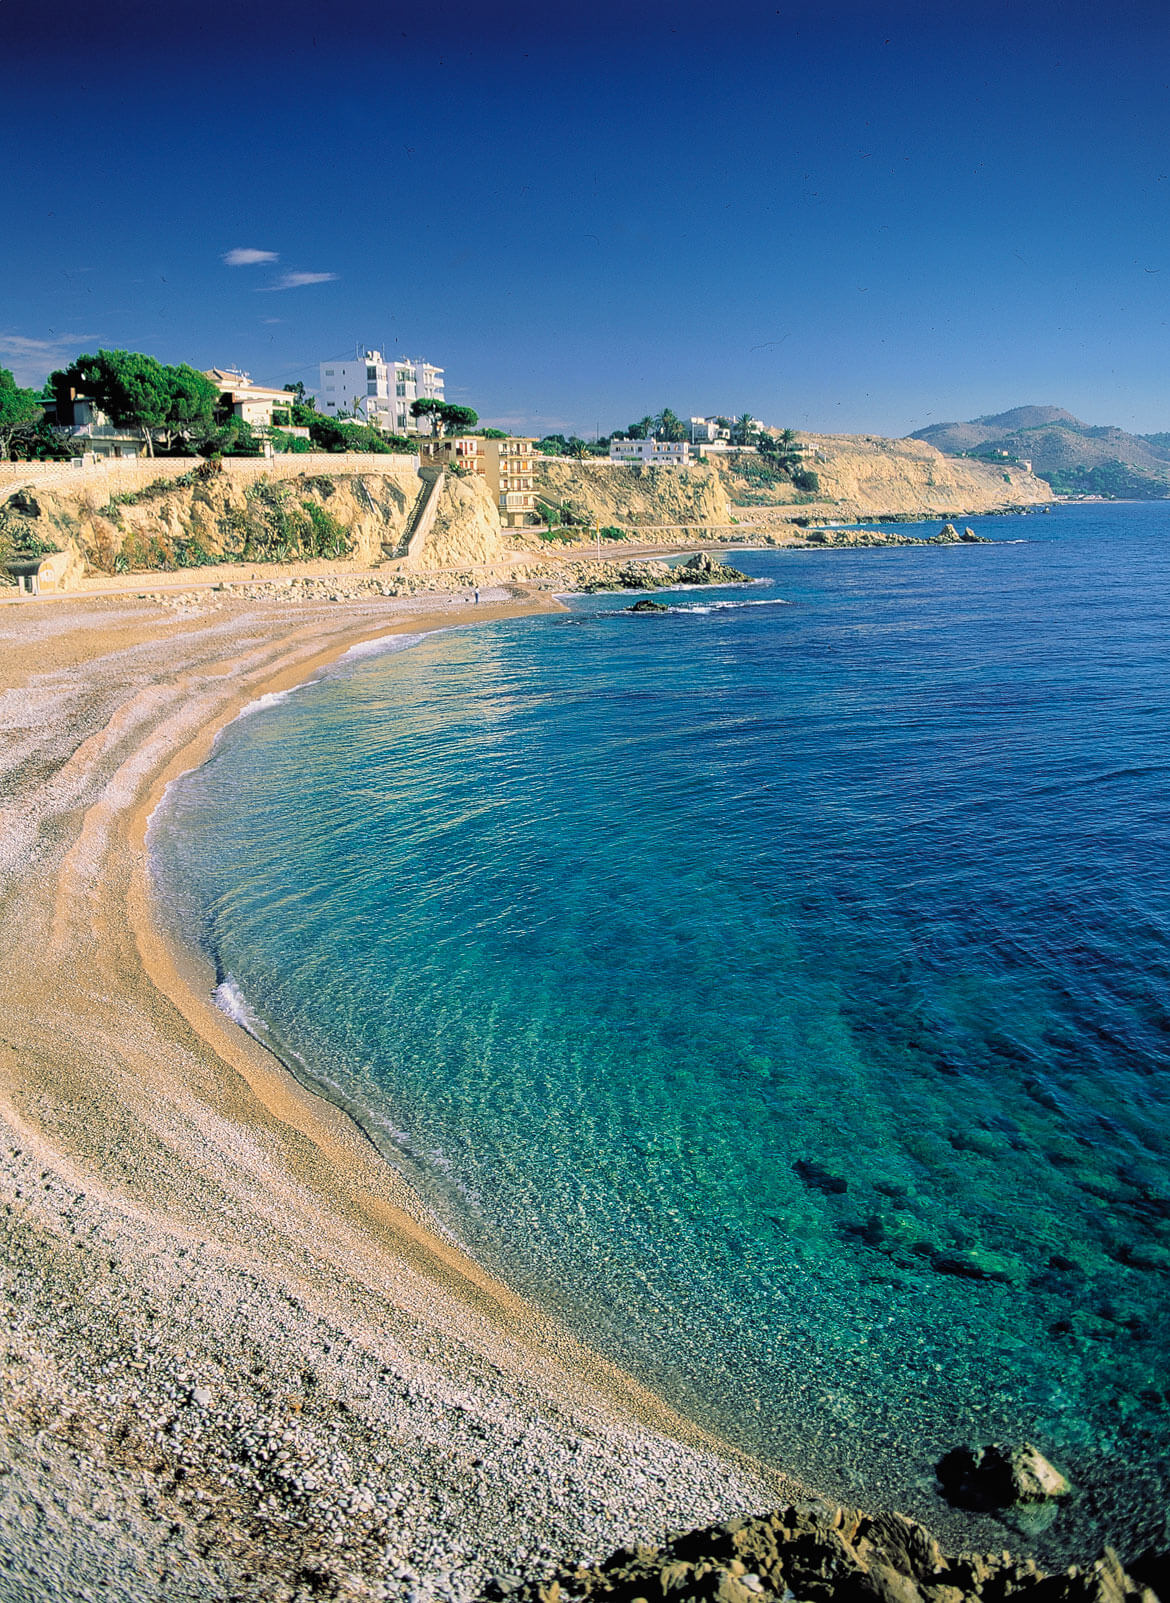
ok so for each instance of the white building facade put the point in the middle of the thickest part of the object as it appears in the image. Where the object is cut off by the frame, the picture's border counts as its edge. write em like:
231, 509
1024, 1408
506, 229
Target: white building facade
379, 389
653, 453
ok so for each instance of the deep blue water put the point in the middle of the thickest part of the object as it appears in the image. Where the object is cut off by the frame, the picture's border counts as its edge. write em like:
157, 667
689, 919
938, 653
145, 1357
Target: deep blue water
777, 988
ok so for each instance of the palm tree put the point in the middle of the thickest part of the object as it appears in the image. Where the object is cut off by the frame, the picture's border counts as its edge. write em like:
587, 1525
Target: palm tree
667, 426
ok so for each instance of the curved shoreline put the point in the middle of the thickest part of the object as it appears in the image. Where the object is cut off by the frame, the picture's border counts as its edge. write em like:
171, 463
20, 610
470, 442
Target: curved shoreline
163, 1131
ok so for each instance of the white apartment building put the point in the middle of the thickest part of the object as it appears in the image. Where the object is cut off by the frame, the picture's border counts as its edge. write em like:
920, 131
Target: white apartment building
379, 389
652, 453
707, 431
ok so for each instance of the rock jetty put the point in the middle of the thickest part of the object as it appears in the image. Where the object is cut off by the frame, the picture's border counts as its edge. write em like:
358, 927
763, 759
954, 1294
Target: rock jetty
947, 535
637, 574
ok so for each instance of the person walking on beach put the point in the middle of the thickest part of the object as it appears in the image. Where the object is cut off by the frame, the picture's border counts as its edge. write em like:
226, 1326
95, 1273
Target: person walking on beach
477, 598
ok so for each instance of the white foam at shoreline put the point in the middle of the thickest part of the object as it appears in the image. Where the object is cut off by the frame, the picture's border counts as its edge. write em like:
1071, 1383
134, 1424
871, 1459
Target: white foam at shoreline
273, 698
230, 1001
384, 643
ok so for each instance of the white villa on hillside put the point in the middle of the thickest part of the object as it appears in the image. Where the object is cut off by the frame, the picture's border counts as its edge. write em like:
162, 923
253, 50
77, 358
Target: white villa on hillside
379, 390
254, 403
654, 453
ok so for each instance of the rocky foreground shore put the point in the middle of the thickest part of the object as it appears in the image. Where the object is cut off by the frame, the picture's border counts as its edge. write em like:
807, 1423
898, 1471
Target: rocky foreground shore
823, 1553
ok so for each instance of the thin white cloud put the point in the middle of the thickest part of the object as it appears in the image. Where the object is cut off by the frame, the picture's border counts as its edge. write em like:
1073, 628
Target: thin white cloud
31, 360
297, 281
245, 256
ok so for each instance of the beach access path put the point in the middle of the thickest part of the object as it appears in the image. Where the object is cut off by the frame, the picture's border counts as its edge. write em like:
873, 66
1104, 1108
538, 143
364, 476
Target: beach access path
239, 1360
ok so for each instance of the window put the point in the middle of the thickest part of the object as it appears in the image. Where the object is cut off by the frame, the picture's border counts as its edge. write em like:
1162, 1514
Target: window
329, 372
371, 389
371, 372
400, 389
329, 389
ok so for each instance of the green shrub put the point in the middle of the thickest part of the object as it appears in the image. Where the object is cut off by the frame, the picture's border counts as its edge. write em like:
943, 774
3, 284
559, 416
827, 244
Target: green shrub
17, 538
326, 536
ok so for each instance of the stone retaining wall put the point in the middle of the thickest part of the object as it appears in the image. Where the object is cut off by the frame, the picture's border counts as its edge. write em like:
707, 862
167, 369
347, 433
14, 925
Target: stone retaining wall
117, 476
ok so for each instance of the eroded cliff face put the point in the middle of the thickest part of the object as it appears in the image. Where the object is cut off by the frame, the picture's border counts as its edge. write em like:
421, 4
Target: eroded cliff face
207, 517
204, 516
861, 476
630, 497
466, 529
870, 477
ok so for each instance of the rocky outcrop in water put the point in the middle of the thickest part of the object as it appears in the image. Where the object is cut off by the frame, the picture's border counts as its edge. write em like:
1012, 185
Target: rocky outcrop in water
947, 535
999, 1477
636, 574
819, 1553
703, 569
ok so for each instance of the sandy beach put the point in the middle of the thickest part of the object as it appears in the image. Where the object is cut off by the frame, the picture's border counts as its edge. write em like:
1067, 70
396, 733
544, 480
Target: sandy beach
240, 1361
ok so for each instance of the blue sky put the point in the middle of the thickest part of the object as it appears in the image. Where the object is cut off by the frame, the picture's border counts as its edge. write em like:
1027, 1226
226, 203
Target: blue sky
841, 216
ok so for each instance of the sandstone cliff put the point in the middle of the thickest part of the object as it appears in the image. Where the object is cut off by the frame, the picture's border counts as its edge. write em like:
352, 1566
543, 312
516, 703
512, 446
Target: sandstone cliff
861, 476
867, 476
203, 517
466, 529
633, 497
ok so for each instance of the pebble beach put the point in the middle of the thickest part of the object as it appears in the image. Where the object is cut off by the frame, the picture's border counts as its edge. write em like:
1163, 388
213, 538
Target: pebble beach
240, 1359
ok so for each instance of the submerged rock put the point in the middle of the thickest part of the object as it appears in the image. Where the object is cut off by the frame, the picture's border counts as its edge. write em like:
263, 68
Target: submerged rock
995, 1477
817, 1178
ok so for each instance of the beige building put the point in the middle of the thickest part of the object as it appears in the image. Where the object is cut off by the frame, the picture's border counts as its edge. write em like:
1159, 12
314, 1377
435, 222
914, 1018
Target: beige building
463, 452
508, 466
253, 403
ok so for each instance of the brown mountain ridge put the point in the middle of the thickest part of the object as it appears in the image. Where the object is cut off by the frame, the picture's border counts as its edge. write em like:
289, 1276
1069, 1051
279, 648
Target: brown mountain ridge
1075, 457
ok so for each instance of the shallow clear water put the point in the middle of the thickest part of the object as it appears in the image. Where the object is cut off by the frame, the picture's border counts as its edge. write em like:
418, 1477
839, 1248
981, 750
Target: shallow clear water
777, 991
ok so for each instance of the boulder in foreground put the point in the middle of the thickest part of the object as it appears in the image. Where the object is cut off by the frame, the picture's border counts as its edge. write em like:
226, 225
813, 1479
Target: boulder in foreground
819, 1553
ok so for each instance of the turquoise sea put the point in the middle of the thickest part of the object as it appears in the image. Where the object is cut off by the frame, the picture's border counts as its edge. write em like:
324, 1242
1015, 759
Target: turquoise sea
777, 988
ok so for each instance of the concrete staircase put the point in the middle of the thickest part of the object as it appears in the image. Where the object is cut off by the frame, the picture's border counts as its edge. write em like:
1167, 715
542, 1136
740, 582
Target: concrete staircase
422, 519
